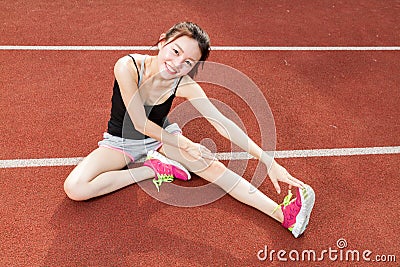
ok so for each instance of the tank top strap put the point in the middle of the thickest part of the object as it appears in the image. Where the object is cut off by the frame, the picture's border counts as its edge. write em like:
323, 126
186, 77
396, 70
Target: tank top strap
176, 84
142, 70
134, 62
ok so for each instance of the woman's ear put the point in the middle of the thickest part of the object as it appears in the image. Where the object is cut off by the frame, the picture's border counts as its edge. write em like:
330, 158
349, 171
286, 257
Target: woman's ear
161, 41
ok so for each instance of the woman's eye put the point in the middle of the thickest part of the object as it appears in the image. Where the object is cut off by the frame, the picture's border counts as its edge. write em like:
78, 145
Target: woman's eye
189, 63
176, 51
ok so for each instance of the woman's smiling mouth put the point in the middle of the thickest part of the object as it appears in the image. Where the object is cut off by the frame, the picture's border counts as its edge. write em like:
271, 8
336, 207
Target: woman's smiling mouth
170, 70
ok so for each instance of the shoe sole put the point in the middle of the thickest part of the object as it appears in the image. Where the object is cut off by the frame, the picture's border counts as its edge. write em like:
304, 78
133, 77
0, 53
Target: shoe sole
163, 159
307, 204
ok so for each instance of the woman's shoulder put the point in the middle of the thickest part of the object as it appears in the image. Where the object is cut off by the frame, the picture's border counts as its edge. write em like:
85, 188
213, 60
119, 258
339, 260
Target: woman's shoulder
188, 87
130, 61
187, 81
128, 65
137, 58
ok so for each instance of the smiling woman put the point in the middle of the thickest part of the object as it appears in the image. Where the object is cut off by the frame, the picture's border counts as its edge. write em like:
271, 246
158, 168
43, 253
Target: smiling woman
177, 58
194, 33
144, 89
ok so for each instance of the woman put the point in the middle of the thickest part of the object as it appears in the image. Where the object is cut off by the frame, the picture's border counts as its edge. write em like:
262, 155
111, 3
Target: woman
145, 87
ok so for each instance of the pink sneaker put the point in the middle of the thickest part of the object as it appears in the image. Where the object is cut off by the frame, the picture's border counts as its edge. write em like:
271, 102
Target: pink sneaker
297, 212
165, 169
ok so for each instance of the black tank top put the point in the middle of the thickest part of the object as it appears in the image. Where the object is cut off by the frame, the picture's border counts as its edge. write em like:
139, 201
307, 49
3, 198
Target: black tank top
120, 123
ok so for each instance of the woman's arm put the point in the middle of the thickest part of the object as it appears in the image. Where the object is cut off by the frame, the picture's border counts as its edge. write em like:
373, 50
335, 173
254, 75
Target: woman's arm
225, 127
126, 75
228, 129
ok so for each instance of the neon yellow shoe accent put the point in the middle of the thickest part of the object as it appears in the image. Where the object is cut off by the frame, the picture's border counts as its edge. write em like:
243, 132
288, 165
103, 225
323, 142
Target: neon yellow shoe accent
162, 178
286, 201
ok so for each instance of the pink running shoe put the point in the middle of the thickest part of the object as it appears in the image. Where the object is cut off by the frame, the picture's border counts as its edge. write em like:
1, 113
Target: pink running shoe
297, 212
165, 169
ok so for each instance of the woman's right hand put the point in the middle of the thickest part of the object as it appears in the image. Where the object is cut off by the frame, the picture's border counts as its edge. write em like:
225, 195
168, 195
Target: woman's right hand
277, 174
198, 151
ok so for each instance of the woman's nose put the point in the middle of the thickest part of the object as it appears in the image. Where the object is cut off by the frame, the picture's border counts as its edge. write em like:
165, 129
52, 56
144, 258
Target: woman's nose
179, 62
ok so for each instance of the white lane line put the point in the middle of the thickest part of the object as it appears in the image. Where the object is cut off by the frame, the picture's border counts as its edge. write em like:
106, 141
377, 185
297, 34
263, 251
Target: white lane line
52, 162
44, 162
334, 152
215, 48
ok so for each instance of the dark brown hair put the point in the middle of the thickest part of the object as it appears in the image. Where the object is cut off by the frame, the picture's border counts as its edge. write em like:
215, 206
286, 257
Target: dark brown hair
194, 31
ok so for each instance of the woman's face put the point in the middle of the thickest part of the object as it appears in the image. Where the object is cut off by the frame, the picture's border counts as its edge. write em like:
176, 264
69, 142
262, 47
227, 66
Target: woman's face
178, 57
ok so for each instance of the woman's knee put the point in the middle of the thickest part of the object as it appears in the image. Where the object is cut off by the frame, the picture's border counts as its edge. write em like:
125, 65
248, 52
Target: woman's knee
74, 189
213, 171
199, 166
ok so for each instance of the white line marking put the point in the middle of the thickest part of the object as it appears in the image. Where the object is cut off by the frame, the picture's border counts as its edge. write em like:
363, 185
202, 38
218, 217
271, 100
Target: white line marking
44, 162
215, 48
52, 162
333, 152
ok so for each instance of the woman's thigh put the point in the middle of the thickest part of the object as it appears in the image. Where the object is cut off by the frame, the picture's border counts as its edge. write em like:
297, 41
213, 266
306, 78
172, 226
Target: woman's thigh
97, 162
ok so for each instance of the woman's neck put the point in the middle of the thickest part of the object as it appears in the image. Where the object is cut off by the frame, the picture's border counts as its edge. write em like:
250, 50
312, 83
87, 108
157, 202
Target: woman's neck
151, 68
152, 72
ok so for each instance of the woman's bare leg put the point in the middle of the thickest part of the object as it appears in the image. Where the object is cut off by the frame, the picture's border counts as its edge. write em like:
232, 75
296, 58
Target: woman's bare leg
100, 173
235, 185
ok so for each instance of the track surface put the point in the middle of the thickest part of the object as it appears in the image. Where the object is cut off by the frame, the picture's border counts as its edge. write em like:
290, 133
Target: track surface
55, 104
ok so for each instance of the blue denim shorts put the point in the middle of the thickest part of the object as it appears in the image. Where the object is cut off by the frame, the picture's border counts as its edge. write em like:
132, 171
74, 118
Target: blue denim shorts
135, 149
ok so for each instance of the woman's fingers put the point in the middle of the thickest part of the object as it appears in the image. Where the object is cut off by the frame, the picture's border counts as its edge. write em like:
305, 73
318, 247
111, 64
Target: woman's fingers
280, 174
206, 153
200, 152
276, 185
295, 182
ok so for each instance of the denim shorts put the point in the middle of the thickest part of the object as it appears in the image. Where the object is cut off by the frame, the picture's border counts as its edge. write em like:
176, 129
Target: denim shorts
135, 149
